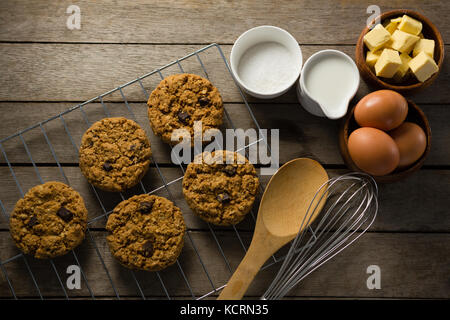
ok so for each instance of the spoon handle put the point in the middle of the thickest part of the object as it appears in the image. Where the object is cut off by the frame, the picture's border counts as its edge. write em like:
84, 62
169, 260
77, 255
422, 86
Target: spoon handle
246, 271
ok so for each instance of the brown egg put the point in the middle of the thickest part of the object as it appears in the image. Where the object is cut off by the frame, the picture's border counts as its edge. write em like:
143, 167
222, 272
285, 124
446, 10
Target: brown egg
382, 109
411, 142
373, 151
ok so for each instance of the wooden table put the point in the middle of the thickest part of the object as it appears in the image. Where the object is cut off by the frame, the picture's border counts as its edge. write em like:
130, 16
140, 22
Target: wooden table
47, 68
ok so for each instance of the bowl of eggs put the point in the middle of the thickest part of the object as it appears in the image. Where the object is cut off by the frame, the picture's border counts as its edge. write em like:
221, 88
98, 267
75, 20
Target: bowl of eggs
404, 52
386, 136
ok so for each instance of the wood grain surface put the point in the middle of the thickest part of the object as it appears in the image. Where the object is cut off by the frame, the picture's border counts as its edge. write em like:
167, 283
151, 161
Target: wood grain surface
36, 71
45, 68
301, 134
199, 21
404, 271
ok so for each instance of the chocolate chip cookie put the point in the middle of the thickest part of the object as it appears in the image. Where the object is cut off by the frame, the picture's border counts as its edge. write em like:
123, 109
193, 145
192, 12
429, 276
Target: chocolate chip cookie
179, 101
49, 221
114, 154
220, 187
146, 232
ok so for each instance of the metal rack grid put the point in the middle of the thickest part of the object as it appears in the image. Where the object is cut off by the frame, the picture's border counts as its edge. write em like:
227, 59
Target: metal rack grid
104, 212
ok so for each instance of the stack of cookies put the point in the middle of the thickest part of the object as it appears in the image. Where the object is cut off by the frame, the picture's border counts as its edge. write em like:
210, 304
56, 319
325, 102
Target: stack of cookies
114, 154
179, 101
49, 221
145, 231
220, 187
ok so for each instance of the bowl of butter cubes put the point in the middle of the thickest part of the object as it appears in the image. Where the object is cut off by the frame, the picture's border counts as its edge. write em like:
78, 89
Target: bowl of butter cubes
400, 50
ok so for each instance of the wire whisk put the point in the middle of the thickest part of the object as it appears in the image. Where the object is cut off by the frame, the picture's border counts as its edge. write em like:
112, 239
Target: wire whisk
350, 208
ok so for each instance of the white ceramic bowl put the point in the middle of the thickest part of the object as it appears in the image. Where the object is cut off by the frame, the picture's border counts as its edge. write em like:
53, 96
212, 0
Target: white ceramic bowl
255, 39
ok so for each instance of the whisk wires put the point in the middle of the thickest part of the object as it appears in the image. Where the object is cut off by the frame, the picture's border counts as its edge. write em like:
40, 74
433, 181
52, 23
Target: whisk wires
341, 211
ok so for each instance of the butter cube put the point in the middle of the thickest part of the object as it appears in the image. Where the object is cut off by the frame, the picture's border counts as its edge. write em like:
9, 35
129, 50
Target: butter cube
403, 41
401, 72
423, 66
372, 57
376, 37
391, 26
397, 20
425, 45
388, 63
410, 25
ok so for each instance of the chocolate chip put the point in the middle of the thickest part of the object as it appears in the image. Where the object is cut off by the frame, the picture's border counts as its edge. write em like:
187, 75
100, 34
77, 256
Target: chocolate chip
107, 166
132, 147
147, 249
65, 214
165, 108
223, 197
145, 207
203, 102
33, 221
183, 117
229, 170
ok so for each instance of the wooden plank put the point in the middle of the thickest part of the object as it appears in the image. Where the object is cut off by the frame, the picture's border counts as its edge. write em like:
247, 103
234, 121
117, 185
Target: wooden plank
417, 204
301, 134
198, 21
79, 72
412, 266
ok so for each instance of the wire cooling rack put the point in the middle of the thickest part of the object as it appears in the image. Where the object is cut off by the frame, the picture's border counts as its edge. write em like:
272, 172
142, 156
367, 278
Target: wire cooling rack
63, 120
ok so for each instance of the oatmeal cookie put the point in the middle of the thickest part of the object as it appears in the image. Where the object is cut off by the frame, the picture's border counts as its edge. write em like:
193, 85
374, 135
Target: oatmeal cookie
220, 193
146, 232
181, 99
49, 221
114, 154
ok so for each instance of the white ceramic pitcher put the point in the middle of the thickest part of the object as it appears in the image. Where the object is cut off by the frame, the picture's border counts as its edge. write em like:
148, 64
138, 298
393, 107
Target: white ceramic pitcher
335, 79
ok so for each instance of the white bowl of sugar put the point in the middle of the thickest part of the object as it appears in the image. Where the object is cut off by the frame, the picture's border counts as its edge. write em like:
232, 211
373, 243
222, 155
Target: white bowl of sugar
266, 61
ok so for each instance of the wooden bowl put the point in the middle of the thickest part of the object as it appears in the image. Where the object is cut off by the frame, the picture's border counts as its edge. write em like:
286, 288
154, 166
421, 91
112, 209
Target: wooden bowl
415, 115
410, 85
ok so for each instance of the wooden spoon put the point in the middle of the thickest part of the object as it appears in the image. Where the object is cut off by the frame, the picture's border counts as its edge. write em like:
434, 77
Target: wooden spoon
283, 207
